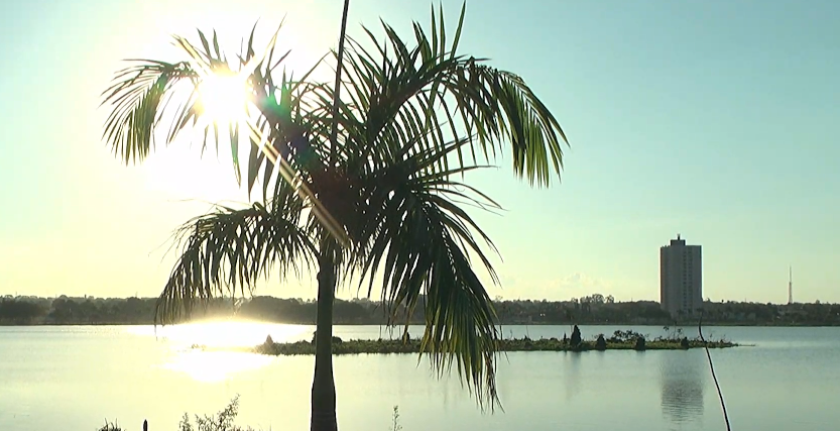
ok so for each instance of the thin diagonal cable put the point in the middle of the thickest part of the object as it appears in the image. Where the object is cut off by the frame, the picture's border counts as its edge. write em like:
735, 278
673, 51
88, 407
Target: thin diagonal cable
714, 376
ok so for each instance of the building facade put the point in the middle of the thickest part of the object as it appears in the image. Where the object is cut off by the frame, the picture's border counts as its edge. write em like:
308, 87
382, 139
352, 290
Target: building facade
681, 278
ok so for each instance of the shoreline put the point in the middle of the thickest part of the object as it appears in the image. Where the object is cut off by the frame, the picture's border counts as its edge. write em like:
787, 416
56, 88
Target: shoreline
387, 347
610, 324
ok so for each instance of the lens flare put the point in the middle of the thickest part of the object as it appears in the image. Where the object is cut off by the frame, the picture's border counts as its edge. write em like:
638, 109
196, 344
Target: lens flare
223, 98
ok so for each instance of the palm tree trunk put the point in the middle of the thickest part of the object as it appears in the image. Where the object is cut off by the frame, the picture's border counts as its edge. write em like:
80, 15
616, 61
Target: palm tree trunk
323, 384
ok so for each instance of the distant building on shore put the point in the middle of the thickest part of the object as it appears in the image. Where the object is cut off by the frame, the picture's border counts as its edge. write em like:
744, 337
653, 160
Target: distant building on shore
680, 278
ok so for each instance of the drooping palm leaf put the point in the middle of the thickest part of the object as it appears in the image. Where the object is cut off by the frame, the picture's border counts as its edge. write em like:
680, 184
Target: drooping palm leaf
413, 112
232, 249
140, 97
415, 94
420, 238
136, 97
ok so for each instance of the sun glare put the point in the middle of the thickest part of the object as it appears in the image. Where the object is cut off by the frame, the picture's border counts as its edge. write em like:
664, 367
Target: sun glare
223, 98
212, 367
224, 333
218, 359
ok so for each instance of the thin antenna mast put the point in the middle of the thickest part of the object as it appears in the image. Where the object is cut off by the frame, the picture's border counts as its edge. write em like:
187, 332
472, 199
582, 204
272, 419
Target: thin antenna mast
790, 285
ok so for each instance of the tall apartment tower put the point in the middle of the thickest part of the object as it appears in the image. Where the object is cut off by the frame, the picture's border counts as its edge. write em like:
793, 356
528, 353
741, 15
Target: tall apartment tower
680, 278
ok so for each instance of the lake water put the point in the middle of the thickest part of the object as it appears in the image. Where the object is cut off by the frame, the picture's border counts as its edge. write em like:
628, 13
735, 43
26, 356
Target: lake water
73, 378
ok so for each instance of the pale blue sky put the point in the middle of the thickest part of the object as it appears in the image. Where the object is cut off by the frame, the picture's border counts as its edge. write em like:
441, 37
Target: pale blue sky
713, 119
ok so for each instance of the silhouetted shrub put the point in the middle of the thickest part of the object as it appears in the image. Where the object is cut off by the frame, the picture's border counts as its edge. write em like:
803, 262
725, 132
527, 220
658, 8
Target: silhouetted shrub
600, 343
395, 420
222, 421
576, 339
624, 336
684, 343
640, 343
110, 426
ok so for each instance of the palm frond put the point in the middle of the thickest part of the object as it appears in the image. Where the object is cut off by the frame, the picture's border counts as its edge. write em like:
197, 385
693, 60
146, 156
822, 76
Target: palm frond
419, 115
136, 96
421, 239
414, 115
425, 94
232, 249
140, 96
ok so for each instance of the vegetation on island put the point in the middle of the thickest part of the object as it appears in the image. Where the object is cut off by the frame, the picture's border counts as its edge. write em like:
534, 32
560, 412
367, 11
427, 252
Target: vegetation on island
585, 311
619, 340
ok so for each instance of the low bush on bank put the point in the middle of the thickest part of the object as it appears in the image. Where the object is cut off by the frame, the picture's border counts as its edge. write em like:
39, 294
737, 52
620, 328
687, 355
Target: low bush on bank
224, 421
221, 421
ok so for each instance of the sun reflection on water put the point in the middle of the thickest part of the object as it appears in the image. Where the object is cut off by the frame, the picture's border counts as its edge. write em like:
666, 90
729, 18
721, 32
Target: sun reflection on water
214, 365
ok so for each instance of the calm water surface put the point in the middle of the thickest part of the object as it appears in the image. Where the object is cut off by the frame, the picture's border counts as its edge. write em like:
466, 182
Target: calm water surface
73, 378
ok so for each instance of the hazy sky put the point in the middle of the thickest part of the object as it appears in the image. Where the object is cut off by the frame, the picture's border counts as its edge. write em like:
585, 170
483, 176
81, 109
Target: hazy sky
712, 119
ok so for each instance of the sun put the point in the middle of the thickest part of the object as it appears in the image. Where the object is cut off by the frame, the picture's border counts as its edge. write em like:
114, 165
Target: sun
223, 98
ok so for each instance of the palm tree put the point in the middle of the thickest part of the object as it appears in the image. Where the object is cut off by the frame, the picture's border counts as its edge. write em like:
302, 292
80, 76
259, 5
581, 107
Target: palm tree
372, 185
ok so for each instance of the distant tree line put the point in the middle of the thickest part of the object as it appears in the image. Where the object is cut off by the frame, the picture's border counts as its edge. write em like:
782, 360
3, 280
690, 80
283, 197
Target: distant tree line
598, 309
593, 309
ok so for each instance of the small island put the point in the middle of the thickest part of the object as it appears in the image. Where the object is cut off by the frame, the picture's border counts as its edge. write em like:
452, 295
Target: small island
619, 340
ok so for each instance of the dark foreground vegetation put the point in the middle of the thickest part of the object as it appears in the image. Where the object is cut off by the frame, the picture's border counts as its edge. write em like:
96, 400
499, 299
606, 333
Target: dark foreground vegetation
619, 340
595, 309
224, 420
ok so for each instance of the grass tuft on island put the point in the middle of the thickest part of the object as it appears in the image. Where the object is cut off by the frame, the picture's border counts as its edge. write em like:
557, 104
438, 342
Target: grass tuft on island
621, 340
